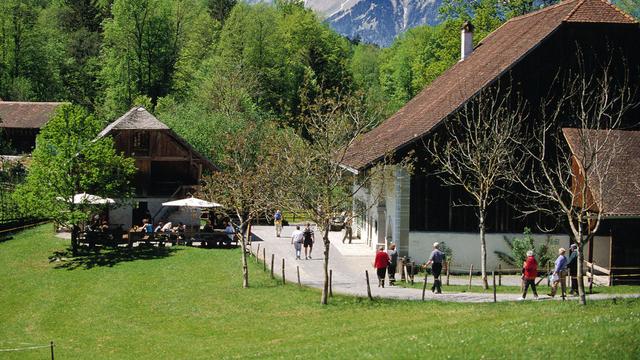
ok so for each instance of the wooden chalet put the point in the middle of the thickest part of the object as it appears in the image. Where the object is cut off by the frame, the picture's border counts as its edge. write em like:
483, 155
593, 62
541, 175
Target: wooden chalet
168, 167
20, 122
527, 53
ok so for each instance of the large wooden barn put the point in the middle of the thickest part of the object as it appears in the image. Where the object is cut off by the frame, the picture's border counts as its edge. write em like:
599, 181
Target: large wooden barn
528, 52
168, 167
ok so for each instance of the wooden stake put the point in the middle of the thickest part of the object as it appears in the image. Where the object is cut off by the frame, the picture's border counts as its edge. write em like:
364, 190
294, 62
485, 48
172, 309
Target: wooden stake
411, 273
257, 253
283, 281
330, 283
448, 267
424, 286
406, 275
298, 271
499, 274
548, 273
366, 273
52, 357
495, 299
591, 280
470, 275
273, 259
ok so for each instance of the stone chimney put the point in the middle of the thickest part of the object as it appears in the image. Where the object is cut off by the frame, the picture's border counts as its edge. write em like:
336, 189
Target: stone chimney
466, 40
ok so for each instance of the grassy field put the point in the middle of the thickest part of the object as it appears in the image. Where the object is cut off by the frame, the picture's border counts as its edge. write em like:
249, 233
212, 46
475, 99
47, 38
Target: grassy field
187, 303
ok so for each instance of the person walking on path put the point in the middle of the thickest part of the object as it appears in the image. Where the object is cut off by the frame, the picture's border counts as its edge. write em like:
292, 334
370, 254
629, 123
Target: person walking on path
277, 217
559, 273
436, 259
393, 263
296, 240
572, 264
380, 264
309, 239
348, 228
529, 274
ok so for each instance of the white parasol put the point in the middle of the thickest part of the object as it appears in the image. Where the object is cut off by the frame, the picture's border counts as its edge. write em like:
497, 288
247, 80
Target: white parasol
84, 198
192, 202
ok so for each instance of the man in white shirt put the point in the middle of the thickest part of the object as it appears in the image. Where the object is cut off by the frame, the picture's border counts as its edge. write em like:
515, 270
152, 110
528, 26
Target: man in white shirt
296, 239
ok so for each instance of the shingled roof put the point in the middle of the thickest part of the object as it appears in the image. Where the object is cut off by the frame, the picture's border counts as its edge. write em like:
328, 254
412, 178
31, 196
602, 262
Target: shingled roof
26, 115
622, 185
138, 118
492, 57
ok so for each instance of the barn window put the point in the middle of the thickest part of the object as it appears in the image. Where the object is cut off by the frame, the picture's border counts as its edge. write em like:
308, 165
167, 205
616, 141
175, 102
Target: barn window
141, 143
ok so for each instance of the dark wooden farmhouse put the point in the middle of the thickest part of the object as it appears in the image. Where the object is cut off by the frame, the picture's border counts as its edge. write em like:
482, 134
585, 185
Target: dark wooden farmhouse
168, 167
528, 52
20, 123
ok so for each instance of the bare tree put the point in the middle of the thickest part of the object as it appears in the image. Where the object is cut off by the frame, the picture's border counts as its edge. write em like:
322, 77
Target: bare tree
570, 176
248, 185
319, 182
477, 151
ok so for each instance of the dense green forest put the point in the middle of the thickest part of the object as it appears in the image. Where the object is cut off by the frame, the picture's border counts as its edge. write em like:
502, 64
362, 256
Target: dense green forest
199, 64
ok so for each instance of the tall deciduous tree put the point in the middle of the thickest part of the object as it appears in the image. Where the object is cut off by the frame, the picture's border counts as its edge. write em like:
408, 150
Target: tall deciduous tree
477, 151
249, 184
574, 183
68, 159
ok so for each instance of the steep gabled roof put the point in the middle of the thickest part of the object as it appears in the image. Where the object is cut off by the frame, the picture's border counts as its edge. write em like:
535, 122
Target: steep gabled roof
492, 57
26, 115
621, 185
138, 118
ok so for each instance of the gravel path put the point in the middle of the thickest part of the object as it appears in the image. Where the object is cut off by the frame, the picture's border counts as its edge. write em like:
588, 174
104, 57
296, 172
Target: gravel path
349, 262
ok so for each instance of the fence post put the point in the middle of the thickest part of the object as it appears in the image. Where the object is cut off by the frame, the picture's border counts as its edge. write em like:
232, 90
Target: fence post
298, 272
264, 259
52, 355
495, 299
257, 253
330, 283
366, 273
406, 274
470, 275
273, 259
548, 273
424, 286
411, 272
591, 280
283, 281
499, 274
448, 267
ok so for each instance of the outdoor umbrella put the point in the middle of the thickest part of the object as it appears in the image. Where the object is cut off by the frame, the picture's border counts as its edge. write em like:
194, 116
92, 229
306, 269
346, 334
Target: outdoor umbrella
192, 202
84, 198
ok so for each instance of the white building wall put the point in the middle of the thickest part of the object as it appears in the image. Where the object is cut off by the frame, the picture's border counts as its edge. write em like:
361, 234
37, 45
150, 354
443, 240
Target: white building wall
466, 247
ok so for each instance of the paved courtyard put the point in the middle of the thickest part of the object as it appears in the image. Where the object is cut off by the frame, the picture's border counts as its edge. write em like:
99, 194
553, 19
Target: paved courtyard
349, 262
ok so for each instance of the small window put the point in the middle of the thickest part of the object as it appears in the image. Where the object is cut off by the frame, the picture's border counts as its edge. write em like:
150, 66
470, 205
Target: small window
141, 143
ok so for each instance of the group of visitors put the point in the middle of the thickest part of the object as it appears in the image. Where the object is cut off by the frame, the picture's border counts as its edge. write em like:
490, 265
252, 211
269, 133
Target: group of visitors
300, 238
558, 276
163, 227
386, 261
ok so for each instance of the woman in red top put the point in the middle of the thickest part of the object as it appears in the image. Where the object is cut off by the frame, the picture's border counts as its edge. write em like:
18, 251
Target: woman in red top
529, 274
380, 263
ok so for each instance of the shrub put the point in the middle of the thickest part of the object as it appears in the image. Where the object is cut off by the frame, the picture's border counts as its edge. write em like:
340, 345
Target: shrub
519, 247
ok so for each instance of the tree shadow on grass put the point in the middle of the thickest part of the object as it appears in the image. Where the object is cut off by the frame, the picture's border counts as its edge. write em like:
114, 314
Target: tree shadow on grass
88, 259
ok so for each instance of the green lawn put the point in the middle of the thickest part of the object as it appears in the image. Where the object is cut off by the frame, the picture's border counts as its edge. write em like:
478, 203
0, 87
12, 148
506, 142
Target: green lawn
187, 304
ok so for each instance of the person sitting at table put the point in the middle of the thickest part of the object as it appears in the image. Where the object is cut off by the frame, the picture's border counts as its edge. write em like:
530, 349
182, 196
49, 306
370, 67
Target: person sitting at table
158, 228
147, 227
167, 227
207, 227
105, 226
230, 232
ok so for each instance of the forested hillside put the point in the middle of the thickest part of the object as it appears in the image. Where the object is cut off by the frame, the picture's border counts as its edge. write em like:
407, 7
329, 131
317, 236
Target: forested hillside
204, 65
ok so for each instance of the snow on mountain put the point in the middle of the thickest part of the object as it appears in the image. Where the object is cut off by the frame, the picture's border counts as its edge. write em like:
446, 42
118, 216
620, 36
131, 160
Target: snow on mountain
374, 21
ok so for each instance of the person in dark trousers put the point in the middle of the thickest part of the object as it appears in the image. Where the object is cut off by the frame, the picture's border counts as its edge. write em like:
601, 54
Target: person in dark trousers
529, 274
436, 259
380, 264
393, 263
309, 239
348, 228
572, 264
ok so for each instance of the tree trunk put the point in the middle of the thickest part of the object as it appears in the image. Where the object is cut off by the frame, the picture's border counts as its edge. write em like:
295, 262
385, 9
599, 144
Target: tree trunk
245, 268
327, 245
483, 253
